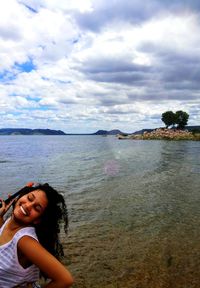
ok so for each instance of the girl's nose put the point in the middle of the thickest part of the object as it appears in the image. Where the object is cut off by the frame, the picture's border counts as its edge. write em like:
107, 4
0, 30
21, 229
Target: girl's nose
29, 206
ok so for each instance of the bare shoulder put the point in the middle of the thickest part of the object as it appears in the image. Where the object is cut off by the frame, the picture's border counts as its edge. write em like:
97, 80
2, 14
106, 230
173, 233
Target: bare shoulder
45, 261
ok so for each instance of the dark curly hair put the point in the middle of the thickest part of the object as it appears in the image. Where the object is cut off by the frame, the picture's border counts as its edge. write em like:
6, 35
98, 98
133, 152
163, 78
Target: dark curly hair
53, 218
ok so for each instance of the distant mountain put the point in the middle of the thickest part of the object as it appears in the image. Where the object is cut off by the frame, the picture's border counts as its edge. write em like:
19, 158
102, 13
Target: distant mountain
142, 131
25, 131
105, 132
193, 128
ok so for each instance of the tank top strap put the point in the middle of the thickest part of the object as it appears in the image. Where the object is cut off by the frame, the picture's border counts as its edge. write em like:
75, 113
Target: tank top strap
26, 231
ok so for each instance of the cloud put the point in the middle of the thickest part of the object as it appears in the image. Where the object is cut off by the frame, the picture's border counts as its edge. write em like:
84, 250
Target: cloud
108, 13
87, 65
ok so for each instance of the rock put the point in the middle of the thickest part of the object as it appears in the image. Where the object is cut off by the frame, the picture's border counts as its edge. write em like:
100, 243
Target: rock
163, 134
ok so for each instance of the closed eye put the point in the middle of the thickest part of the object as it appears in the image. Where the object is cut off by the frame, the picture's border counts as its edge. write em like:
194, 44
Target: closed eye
38, 208
30, 197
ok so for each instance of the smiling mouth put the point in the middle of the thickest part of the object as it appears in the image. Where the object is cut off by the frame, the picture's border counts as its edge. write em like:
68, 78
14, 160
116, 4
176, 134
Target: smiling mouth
23, 211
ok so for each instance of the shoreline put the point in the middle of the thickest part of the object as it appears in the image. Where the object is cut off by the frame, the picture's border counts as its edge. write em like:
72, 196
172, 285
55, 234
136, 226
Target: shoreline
162, 134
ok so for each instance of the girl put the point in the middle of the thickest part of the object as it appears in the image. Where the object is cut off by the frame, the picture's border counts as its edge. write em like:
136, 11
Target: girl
29, 243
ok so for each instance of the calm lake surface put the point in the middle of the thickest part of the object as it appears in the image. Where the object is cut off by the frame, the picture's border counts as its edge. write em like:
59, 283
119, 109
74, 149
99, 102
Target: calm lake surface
134, 206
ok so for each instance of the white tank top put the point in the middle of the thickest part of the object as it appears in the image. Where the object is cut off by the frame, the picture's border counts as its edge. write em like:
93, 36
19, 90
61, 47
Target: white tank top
11, 272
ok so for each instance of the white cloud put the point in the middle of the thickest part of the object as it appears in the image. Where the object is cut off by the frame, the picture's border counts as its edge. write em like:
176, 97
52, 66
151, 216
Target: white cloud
122, 73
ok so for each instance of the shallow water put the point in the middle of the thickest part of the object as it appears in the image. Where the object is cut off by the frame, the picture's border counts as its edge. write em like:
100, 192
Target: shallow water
133, 205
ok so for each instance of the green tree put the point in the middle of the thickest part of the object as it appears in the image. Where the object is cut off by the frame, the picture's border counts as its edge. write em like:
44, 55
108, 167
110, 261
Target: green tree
169, 118
181, 119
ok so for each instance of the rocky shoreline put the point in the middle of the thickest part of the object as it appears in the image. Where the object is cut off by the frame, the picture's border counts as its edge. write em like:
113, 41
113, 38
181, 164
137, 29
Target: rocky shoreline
162, 134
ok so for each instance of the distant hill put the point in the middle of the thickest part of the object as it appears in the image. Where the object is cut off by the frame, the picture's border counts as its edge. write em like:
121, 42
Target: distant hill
105, 132
193, 128
25, 131
142, 131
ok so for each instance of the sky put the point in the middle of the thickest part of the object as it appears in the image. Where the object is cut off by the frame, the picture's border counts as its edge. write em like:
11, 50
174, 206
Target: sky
84, 65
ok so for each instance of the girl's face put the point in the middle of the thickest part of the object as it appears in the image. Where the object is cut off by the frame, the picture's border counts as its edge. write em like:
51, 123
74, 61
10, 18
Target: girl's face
29, 208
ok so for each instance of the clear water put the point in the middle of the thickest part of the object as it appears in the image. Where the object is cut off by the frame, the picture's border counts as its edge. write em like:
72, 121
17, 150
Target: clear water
139, 198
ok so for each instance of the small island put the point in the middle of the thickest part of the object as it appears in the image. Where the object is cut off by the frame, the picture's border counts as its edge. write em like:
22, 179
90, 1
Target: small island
179, 130
163, 134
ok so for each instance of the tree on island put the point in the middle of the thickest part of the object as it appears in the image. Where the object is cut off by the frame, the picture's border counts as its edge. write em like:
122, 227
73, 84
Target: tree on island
179, 118
168, 118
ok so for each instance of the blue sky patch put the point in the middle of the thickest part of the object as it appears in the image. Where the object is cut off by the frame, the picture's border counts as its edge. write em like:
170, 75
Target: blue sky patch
7, 76
27, 66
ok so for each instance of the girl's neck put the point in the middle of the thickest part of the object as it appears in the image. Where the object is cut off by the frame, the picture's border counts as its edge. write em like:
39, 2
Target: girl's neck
14, 225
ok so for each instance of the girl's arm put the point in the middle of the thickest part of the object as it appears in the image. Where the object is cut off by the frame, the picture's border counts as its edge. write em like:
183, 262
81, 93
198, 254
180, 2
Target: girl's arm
5, 205
3, 209
47, 263
2, 212
1, 221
